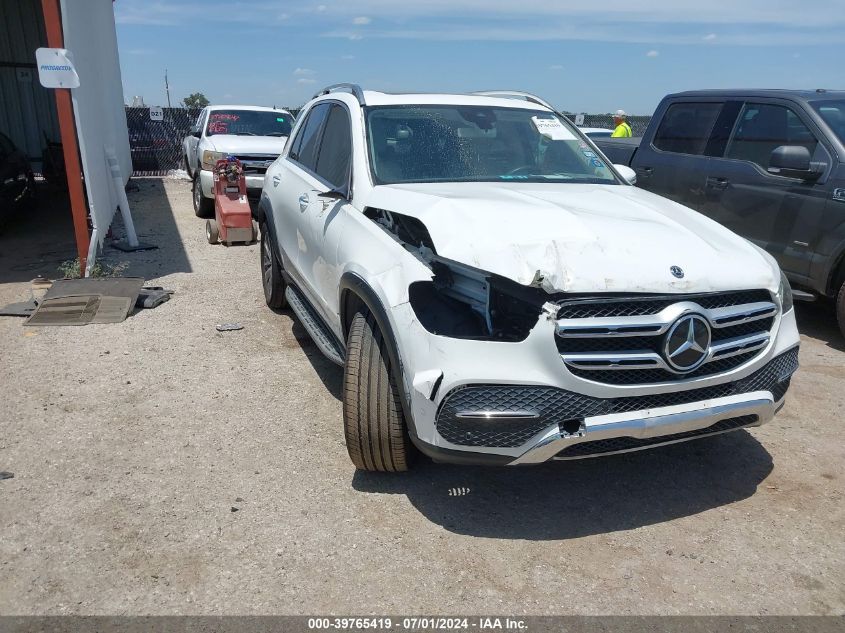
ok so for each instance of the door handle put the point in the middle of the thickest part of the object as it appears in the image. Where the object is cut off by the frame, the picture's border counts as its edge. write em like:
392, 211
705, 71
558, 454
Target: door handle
276, 180
304, 201
714, 182
645, 172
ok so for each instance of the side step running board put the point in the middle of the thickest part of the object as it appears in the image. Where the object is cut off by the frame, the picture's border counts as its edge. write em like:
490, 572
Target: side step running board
323, 338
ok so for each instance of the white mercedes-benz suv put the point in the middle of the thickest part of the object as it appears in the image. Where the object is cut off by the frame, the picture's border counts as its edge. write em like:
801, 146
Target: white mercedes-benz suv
497, 293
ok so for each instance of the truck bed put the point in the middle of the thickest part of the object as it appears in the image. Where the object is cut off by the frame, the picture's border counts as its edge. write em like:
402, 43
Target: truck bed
620, 151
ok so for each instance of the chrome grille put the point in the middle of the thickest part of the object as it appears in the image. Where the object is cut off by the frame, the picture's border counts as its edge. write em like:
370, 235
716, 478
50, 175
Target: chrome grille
620, 444
621, 340
256, 164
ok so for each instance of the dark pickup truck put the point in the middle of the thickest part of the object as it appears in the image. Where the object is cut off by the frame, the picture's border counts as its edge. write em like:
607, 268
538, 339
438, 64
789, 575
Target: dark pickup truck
768, 164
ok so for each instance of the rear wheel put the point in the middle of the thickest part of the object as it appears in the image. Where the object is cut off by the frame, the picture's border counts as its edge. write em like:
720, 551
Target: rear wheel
203, 207
373, 422
271, 272
840, 308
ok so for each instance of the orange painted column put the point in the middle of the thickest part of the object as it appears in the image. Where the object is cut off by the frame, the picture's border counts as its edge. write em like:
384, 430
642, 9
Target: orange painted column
70, 146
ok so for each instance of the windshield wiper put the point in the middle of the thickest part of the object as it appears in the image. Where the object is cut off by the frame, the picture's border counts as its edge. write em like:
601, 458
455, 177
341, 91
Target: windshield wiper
276, 134
245, 134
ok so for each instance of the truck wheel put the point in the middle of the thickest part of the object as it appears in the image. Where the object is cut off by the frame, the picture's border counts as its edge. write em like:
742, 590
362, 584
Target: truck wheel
212, 233
373, 422
271, 273
203, 207
840, 307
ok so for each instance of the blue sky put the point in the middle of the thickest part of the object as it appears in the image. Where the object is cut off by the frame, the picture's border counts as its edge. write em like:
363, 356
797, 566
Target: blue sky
581, 56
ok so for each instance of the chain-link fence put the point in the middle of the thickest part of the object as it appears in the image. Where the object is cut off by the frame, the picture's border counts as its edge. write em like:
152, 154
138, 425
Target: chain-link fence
638, 123
156, 146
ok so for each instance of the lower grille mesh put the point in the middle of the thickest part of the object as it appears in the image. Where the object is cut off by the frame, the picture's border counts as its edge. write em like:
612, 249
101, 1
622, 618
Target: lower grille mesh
553, 405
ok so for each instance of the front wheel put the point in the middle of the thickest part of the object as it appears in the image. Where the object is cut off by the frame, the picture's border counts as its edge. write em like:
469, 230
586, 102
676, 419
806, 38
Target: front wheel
840, 308
373, 422
271, 272
212, 233
203, 207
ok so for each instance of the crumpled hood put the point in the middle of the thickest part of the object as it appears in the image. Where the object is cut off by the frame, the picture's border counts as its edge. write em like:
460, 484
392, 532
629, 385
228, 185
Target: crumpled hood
232, 144
583, 238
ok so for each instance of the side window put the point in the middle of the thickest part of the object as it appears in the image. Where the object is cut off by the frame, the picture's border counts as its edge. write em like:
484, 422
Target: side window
335, 155
762, 127
686, 127
198, 126
304, 148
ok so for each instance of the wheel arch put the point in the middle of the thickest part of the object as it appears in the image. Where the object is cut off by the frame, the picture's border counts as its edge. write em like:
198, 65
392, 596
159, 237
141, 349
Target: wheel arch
355, 291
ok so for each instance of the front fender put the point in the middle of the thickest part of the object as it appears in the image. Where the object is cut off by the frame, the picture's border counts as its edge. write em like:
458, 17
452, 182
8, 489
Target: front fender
352, 283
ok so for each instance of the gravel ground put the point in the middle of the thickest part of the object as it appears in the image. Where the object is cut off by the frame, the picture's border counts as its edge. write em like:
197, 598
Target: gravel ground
162, 467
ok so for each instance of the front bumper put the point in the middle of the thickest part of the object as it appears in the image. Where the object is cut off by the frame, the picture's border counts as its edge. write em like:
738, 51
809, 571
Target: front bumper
254, 183
516, 403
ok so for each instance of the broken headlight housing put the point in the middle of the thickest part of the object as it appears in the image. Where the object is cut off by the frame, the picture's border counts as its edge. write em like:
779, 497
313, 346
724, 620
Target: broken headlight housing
784, 294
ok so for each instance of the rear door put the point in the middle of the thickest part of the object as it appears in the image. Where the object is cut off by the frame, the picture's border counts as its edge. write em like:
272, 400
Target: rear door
780, 214
674, 163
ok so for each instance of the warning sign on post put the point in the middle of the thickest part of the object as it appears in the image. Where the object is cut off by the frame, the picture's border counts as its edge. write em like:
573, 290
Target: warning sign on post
55, 68
156, 113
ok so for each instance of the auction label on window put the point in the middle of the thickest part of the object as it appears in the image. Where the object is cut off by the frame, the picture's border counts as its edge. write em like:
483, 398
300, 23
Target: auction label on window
552, 128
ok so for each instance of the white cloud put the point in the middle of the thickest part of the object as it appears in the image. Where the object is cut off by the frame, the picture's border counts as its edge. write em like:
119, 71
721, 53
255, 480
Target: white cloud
709, 37
555, 67
347, 56
321, 7
306, 80
652, 53
361, 20
303, 72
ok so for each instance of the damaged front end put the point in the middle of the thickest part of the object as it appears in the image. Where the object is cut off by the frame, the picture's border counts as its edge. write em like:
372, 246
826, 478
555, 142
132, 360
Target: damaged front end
461, 301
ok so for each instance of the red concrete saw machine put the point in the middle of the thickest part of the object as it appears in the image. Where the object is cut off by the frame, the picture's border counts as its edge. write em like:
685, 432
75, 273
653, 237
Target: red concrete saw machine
232, 214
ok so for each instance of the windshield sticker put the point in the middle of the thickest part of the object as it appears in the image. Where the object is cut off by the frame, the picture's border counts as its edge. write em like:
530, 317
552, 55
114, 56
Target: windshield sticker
280, 119
588, 153
596, 162
218, 127
552, 128
223, 116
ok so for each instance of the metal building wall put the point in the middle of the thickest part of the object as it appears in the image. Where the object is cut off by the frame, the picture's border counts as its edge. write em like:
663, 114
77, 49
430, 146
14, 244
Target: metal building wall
27, 111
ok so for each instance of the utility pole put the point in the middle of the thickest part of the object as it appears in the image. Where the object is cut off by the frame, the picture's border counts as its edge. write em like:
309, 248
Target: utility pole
167, 87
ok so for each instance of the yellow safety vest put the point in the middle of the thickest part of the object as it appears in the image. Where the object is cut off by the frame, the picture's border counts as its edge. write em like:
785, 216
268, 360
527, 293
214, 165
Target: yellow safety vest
623, 130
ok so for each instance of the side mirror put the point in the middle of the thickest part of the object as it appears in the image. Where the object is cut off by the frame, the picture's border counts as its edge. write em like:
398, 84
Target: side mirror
196, 133
627, 173
793, 161
338, 193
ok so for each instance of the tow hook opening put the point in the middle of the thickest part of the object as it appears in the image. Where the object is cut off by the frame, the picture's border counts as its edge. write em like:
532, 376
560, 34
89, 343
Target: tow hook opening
575, 426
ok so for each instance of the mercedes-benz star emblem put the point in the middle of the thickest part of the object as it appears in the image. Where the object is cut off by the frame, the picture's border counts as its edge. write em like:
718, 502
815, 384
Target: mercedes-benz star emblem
677, 271
687, 343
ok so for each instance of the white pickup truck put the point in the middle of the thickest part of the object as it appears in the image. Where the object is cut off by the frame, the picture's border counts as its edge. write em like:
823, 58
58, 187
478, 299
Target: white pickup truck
497, 292
254, 135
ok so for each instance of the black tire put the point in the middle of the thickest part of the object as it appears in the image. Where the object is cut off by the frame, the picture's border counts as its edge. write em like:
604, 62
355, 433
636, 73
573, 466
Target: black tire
840, 308
373, 422
212, 232
271, 272
203, 207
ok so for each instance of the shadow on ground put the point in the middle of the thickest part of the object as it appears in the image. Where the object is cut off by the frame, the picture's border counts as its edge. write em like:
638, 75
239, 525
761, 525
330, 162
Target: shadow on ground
565, 500
818, 320
37, 242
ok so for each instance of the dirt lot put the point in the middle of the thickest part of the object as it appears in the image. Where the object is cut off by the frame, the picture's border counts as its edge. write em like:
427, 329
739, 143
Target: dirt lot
162, 467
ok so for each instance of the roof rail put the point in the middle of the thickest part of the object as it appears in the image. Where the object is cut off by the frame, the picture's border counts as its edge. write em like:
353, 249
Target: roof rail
516, 94
355, 89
